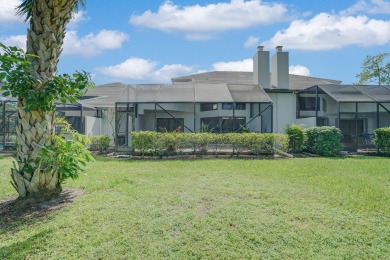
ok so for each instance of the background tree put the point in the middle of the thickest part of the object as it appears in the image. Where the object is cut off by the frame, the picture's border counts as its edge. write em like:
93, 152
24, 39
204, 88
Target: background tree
32, 78
375, 70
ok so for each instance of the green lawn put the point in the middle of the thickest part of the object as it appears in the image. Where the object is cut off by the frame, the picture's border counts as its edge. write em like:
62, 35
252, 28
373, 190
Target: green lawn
293, 208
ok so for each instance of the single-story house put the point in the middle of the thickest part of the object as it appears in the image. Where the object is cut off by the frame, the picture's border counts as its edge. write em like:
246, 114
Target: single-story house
265, 100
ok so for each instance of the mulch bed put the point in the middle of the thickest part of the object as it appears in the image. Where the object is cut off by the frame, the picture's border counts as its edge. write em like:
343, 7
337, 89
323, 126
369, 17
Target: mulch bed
14, 209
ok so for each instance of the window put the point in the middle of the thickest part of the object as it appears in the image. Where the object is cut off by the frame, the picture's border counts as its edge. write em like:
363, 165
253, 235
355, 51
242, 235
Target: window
170, 124
322, 121
227, 106
324, 104
237, 106
309, 103
208, 106
240, 106
222, 124
210, 124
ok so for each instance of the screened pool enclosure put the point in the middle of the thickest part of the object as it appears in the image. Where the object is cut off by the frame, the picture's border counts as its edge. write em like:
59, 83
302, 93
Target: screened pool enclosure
191, 107
356, 110
73, 113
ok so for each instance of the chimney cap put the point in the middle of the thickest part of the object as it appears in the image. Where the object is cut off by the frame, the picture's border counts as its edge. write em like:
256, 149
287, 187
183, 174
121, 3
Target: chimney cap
279, 48
260, 48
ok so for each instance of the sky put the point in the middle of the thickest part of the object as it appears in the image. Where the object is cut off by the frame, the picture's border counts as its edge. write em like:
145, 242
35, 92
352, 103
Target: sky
133, 41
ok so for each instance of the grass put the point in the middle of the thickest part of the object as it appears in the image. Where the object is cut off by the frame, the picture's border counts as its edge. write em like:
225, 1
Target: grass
300, 208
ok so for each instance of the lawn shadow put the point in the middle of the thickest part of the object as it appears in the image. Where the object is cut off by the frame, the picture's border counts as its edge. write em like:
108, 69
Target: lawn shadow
15, 213
20, 249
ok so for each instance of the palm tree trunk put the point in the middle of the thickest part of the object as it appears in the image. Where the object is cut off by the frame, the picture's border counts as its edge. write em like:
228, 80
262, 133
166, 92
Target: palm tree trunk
35, 128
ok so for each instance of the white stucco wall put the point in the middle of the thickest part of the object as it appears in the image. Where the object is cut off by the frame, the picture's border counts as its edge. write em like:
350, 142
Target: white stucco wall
93, 126
284, 110
306, 122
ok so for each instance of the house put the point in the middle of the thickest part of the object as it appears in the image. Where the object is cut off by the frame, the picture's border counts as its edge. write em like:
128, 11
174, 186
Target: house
265, 100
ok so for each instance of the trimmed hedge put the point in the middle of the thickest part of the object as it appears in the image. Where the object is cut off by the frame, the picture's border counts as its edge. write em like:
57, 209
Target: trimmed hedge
324, 140
382, 140
100, 143
166, 143
296, 137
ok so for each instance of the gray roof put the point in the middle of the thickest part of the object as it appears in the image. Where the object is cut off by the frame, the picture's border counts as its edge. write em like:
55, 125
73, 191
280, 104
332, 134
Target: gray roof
103, 95
194, 92
297, 82
355, 93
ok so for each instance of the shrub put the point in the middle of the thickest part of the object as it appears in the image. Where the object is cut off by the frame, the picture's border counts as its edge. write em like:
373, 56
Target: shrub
382, 140
324, 140
296, 137
161, 143
144, 141
68, 154
170, 141
100, 142
200, 141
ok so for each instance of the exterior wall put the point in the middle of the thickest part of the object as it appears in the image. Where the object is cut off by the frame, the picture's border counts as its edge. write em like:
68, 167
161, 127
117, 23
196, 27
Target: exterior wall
99, 126
93, 126
306, 122
284, 110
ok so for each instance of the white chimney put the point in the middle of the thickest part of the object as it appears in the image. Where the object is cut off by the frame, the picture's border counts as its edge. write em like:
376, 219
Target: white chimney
280, 72
261, 68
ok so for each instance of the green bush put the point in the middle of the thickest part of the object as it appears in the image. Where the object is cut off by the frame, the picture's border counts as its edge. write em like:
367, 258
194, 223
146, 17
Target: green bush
100, 142
296, 137
324, 140
145, 141
67, 154
382, 140
163, 143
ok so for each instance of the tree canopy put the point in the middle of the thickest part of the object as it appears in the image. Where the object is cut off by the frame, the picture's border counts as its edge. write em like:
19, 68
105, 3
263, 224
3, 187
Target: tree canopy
375, 69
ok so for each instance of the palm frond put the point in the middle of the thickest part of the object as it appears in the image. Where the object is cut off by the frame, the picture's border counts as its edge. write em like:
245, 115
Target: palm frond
25, 8
80, 5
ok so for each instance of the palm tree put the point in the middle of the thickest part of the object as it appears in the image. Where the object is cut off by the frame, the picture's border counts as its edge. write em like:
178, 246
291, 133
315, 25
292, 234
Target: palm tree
45, 36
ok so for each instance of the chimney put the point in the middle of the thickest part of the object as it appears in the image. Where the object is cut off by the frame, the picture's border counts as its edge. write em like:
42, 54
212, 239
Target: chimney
261, 68
280, 70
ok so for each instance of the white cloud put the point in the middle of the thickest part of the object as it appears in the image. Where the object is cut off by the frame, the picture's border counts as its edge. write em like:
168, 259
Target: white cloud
372, 7
252, 41
144, 70
14, 40
243, 65
299, 70
87, 46
196, 20
77, 18
328, 31
8, 12
92, 44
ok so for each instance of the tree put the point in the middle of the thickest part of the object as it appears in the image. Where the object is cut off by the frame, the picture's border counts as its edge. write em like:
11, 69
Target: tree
32, 78
375, 70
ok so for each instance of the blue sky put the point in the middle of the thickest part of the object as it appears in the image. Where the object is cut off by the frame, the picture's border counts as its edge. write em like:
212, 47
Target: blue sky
151, 41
